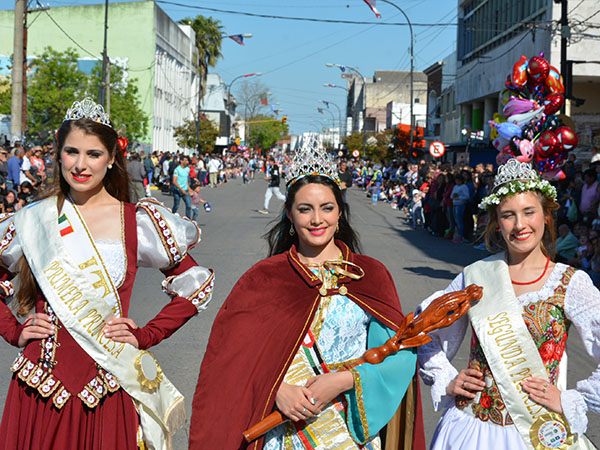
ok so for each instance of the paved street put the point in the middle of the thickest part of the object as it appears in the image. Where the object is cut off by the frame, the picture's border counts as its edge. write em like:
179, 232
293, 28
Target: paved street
231, 243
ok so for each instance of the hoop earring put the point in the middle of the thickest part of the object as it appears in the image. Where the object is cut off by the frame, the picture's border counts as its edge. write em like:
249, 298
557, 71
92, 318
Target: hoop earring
292, 231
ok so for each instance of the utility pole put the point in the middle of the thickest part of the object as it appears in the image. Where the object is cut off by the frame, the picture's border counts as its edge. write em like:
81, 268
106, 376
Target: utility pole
565, 33
17, 70
103, 85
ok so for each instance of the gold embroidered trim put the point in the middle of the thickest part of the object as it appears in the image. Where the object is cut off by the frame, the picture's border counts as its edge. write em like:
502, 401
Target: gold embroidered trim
203, 294
123, 243
164, 231
200, 296
360, 404
49, 385
310, 273
373, 312
291, 355
93, 392
110, 382
9, 235
61, 397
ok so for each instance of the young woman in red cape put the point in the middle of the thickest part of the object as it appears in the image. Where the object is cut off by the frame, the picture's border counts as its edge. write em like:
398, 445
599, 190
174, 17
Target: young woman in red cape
290, 324
64, 393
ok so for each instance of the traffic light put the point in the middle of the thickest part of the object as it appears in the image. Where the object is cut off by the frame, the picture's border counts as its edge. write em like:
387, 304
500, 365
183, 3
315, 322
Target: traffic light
284, 120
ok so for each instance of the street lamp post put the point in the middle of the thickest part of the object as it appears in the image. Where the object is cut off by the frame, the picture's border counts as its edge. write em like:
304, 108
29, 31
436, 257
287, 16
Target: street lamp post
412, 68
327, 103
255, 74
364, 80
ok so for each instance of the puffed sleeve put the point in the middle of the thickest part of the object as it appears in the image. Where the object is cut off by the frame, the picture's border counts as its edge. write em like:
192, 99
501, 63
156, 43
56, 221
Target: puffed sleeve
380, 388
582, 307
434, 357
10, 254
164, 242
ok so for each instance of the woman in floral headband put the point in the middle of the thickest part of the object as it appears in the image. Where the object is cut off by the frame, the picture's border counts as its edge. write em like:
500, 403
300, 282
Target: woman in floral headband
83, 379
513, 393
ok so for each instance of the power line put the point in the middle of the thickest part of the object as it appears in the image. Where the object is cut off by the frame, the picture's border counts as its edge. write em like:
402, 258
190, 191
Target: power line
70, 38
303, 19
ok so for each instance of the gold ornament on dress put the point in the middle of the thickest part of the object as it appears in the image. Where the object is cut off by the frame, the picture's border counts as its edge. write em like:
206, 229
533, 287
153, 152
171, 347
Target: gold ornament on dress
551, 431
150, 374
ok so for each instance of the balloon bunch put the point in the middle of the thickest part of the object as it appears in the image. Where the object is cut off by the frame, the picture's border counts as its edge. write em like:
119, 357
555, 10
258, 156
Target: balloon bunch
532, 131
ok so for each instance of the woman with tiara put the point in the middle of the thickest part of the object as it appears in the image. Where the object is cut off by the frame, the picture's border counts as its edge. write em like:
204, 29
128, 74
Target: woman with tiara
513, 394
292, 321
84, 379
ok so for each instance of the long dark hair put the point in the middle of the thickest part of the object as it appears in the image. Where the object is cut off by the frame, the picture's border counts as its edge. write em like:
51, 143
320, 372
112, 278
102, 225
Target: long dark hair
116, 182
279, 238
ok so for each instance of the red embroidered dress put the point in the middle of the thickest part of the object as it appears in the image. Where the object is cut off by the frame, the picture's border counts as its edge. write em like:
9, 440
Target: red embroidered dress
568, 297
59, 397
549, 328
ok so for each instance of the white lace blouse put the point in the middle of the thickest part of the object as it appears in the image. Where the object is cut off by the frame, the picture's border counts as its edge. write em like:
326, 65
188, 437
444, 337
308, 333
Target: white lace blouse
582, 308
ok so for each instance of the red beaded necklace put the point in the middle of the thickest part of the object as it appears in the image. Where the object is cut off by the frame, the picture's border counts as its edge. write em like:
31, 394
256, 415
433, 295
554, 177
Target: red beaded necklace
537, 279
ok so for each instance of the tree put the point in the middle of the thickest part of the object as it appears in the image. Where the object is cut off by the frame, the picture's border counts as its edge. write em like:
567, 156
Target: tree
249, 97
264, 135
5, 96
209, 36
54, 85
186, 135
354, 142
382, 148
126, 112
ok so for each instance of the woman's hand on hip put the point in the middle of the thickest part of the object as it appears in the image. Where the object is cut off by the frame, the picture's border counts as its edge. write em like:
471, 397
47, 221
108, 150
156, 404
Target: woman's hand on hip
37, 326
543, 392
467, 383
119, 330
295, 402
326, 387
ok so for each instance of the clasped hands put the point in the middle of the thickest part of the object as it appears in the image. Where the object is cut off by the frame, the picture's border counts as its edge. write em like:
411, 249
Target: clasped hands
40, 326
303, 402
470, 381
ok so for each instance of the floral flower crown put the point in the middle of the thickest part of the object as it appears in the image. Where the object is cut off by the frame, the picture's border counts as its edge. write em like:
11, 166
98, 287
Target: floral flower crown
514, 177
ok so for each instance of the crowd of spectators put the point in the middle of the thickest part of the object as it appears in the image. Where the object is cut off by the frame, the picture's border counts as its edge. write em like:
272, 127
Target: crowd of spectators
443, 199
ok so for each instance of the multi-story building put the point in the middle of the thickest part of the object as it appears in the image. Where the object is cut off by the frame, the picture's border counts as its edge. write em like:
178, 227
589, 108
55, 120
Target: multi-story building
492, 36
156, 52
215, 107
385, 87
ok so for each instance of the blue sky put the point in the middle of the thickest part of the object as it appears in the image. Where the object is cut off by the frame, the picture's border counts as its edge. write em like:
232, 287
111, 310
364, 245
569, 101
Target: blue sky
292, 54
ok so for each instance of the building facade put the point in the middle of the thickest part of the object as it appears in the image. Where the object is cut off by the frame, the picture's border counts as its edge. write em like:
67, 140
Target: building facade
368, 99
492, 36
215, 107
156, 53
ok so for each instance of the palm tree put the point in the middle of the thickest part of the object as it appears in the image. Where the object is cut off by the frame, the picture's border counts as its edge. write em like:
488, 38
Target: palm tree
209, 36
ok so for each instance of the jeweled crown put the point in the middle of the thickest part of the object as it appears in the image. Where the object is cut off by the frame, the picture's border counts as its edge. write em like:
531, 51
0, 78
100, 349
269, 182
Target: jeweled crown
312, 159
514, 170
89, 109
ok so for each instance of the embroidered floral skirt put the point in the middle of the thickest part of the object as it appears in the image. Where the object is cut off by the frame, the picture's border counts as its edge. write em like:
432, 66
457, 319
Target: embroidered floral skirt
31, 421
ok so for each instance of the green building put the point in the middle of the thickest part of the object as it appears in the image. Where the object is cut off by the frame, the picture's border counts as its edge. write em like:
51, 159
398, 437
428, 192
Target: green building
142, 39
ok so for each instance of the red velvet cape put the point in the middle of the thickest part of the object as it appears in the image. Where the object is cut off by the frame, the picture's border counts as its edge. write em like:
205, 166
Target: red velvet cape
256, 335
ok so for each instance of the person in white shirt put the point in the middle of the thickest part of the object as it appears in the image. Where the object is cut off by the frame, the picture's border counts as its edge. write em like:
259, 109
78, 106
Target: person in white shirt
213, 171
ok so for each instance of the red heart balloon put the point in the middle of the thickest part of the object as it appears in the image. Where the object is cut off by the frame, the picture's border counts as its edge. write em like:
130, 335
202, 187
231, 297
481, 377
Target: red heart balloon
553, 103
567, 139
538, 69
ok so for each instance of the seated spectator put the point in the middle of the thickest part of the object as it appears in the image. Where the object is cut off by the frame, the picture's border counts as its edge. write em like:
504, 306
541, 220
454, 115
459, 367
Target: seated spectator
566, 244
10, 202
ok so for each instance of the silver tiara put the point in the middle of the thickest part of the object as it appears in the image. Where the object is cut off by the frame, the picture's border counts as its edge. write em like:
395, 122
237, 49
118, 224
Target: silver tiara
514, 170
312, 159
88, 108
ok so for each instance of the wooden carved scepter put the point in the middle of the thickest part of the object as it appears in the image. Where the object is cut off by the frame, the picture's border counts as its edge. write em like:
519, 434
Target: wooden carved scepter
440, 313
